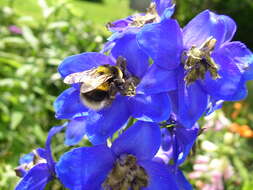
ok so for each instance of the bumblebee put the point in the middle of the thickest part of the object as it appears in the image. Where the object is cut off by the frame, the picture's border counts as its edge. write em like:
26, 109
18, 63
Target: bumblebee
100, 85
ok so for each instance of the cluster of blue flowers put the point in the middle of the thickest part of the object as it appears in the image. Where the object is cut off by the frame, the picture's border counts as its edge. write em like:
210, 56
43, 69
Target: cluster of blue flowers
138, 102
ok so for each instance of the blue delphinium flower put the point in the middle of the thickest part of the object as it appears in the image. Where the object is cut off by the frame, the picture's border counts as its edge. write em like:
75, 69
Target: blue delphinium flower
158, 10
27, 161
177, 142
210, 68
37, 169
123, 40
127, 164
98, 125
182, 182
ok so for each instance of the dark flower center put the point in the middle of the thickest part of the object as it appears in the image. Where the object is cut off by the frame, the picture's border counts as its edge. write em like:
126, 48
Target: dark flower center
197, 61
126, 174
151, 16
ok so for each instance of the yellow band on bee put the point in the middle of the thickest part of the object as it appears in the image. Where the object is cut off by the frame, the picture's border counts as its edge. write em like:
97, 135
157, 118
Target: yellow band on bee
103, 69
104, 87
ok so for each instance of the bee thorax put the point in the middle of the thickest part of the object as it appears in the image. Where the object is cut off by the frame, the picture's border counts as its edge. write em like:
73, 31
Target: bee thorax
126, 174
197, 62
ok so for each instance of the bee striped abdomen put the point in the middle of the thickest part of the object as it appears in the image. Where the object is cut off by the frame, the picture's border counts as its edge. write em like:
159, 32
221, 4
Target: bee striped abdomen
96, 99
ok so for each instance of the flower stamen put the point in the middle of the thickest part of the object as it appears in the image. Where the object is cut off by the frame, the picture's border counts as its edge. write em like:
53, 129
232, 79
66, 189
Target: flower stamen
198, 61
126, 174
151, 16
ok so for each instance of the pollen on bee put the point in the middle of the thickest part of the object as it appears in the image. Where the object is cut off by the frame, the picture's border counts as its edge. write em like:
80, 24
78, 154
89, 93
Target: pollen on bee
126, 174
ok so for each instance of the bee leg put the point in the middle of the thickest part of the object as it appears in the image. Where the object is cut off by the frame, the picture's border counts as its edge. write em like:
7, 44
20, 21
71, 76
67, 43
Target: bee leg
118, 82
113, 91
133, 80
121, 63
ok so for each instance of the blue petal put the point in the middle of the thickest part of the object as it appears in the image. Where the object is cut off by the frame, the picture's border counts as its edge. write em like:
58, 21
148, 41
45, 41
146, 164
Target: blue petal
42, 152
205, 25
49, 157
162, 42
37, 178
107, 46
241, 93
177, 143
185, 139
166, 139
119, 25
26, 159
168, 12
241, 56
101, 125
230, 27
162, 5
182, 182
68, 105
248, 75
188, 102
117, 35
160, 177
21, 170
153, 108
81, 62
234, 61
85, 168
76, 129
214, 105
142, 140
137, 60
157, 80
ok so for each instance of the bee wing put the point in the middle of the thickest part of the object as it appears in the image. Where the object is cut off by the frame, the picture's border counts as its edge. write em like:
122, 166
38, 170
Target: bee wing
79, 76
93, 82
91, 79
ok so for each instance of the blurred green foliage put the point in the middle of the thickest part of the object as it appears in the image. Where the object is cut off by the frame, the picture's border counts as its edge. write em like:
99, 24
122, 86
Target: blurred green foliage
53, 30
29, 82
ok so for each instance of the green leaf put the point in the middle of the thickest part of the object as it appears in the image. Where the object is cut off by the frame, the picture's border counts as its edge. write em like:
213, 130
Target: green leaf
241, 168
10, 62
59, 24
247, 185
13, 41
30, 37
16, 118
